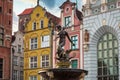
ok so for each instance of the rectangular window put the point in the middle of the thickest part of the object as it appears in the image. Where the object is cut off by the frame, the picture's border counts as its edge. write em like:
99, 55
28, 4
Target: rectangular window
1, 68
21, 75
15, 75
10, 11
45, 61
9, 22
33, 62
15, 60
41, 24
19, 48
33, 43
21, 61
34, 26
75, 41
68, 21
0, 9
45, 41
74, 64
1, 36
33, 77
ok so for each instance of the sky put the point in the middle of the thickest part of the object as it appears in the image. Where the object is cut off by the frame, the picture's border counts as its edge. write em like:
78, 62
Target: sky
51, 6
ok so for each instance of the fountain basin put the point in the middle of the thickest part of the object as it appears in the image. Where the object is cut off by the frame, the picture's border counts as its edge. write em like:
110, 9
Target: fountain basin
63, 74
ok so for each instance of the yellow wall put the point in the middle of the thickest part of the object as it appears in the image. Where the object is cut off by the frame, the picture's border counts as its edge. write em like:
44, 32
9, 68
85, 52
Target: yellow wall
29, 33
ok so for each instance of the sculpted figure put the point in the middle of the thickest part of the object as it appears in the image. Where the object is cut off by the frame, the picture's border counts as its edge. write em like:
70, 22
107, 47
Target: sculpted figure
86, 36
62, 34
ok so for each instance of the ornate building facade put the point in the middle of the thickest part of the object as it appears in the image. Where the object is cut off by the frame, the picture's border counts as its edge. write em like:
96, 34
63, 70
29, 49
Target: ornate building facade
71, 21
102, 49
6, 12
37, 42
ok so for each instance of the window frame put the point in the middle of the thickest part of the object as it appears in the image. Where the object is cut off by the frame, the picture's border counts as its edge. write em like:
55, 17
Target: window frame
45, 61
34, 44
34, 25
41, 24
15, 75
77, 63
19, 48
15, 60
33, 77
1, 36
76, 40
45, 43
66, 20
34, 63
1, 70
105, 59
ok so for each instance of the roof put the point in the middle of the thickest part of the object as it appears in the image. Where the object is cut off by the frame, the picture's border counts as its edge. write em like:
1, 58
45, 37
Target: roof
26, 11
49, 15
67, 2
79, 14
53, 17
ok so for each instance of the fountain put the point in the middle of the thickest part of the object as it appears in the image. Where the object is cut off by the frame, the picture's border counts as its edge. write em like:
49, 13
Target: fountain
63, 72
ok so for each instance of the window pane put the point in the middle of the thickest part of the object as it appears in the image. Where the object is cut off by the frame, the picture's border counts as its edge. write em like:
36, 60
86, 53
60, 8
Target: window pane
115, 43
105, 37
108, 58
116, 70
74, 63
110, 36
110, 62
105, 71
99, 54
105, 45
100, 46
75, 41
105, 62
111, 71
99, 63
105, 54
99, 71
115, 61
45, 41
110, 44
110, 53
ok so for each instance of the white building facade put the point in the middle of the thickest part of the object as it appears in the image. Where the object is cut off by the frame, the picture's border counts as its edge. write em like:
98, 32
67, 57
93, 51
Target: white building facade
102, 51
17, 57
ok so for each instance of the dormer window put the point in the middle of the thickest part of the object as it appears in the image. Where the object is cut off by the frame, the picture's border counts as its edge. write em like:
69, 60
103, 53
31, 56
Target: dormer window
41, 24
34, 26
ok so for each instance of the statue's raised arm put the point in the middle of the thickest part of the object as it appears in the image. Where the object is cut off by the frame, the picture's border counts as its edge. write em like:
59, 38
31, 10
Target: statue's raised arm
62, 34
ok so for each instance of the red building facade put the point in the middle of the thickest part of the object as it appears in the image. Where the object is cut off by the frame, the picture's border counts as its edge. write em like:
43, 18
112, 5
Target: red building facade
6, 8
71, 20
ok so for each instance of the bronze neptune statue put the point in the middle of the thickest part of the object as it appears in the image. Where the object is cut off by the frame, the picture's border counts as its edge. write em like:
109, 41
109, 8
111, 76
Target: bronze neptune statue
62, 34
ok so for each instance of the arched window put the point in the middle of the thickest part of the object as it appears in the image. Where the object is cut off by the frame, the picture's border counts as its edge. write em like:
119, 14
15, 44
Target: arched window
107, 51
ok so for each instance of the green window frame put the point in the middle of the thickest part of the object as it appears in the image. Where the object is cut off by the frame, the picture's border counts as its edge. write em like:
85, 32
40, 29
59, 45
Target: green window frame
75, 41
107, 51
68, 21
74, 63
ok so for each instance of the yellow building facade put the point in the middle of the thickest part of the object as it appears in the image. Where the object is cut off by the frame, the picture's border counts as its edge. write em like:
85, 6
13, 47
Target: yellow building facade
37, 43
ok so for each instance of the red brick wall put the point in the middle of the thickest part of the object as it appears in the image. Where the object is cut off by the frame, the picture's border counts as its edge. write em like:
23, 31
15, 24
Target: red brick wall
6, 24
